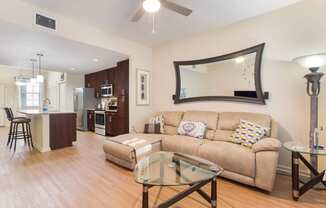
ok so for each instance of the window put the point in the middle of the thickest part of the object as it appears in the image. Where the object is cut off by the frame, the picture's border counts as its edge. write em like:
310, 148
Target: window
30, 96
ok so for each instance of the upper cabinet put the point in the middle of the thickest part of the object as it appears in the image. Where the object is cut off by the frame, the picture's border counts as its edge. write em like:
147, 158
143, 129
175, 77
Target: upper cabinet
110, 75
90, 80
122, 79
117, 76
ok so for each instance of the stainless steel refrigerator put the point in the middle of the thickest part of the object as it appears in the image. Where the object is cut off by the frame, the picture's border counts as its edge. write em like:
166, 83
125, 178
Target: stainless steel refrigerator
84, 98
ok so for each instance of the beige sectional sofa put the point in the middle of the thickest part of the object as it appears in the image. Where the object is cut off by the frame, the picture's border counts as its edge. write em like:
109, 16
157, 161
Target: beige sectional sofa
254, 167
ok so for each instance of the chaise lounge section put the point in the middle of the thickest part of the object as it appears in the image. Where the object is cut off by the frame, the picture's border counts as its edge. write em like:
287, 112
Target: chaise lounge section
255, 167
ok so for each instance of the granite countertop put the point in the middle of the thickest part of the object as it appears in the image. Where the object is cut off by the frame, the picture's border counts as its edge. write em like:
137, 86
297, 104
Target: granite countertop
38, 112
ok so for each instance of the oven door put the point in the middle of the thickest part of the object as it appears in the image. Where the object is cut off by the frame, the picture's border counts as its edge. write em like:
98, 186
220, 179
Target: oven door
100, 120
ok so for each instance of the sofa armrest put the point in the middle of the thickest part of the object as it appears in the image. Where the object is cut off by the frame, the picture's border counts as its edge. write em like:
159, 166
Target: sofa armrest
267, 144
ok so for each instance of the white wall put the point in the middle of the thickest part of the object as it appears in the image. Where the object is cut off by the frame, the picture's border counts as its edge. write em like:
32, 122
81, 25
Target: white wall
73, 81
9, 94
2, 104
52, 89
61, 93
140, 56
290, 32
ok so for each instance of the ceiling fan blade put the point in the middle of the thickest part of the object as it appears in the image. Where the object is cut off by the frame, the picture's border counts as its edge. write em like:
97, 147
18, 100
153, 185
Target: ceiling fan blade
138, 14
176, 8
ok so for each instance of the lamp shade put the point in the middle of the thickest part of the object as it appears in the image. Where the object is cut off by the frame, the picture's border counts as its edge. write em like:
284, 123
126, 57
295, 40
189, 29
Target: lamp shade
311, 61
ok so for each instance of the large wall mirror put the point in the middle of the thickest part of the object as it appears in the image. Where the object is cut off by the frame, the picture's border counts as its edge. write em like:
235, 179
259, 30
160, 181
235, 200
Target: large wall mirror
231, 77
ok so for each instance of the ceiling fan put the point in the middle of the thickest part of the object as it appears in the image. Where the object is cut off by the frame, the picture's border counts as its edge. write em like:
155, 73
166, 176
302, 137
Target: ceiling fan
153, 6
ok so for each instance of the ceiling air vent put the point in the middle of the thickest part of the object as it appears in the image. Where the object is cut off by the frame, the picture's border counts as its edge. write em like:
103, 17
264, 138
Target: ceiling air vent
45, 21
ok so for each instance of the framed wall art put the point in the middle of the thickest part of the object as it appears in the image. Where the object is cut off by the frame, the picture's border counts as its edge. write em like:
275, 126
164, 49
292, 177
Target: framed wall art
143, 85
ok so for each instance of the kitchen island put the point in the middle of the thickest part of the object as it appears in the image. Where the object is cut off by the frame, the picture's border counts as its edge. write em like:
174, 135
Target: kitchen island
51, 130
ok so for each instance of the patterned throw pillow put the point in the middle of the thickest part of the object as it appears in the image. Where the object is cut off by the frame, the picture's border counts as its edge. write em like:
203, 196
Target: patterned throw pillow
248, 133
193, 129
158, 120
152, 129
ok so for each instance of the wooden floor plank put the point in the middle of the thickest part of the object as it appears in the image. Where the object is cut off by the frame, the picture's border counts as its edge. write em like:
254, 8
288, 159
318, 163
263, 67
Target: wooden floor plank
80, 177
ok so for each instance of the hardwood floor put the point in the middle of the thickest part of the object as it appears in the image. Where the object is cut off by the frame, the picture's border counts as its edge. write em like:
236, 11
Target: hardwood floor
80, 177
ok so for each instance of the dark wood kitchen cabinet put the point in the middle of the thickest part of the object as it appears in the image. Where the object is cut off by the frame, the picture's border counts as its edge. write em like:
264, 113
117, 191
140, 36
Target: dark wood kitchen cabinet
122, 79
101, 78
118, 76
62, 130
110, 76
91, 120
90, 80
115, 124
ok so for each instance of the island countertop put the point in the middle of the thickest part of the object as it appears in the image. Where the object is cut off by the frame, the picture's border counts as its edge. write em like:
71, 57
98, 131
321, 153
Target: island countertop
39, 112
52, 130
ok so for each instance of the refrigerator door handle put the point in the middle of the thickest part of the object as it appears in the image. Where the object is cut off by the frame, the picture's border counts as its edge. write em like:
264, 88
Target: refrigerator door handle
75, 103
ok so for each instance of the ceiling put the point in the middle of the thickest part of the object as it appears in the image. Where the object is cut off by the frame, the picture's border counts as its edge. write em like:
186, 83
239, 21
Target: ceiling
19, 45
113, 16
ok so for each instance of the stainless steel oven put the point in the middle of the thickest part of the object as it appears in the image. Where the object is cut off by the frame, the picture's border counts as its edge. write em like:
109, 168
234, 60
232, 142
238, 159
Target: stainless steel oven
100, 122
107, 90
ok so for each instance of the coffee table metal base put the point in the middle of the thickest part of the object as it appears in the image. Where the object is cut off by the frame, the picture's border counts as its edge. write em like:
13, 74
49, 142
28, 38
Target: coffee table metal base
194, 187
298, 191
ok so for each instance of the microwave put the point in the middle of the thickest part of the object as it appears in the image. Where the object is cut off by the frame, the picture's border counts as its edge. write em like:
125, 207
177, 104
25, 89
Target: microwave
107, 90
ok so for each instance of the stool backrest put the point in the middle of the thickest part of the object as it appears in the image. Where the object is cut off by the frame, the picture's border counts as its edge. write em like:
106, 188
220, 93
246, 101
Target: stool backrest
10, 115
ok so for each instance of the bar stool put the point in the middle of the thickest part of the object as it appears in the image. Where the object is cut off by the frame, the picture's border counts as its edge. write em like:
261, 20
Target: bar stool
14, 132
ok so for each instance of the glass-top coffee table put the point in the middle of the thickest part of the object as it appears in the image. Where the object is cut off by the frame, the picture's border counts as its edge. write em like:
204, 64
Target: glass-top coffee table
175, 169
298, 150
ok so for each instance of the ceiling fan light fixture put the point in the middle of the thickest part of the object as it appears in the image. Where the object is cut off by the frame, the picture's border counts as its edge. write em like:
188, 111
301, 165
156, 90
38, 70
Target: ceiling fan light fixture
151, 6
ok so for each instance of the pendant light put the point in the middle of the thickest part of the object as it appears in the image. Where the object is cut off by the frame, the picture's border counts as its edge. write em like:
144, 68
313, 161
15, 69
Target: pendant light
33, 78
20, 80
39, 76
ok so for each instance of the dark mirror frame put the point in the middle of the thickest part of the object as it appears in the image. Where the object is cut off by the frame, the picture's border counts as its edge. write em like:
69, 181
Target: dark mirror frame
260, 95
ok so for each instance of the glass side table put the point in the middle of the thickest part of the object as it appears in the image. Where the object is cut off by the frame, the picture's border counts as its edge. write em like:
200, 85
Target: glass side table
298, 150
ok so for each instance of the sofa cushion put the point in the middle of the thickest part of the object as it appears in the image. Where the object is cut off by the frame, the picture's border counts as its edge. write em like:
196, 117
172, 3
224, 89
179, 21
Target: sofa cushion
210, 134
232, 157
124, 155
231, 120
182, 144
172, 118
223, 135
170, 130
207, 117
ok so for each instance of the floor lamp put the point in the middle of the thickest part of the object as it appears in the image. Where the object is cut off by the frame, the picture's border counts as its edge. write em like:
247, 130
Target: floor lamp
313, 63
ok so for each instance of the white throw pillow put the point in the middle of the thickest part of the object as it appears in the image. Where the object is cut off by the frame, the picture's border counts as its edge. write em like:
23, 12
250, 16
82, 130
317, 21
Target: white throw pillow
192, 128
158, 120
248, 133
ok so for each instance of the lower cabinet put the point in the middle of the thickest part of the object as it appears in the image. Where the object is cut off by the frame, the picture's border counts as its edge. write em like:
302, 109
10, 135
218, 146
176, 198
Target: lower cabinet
115, 124
90, 120
62, 130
